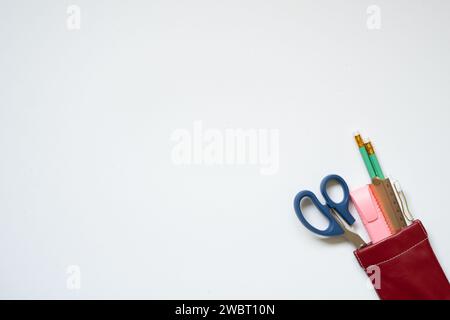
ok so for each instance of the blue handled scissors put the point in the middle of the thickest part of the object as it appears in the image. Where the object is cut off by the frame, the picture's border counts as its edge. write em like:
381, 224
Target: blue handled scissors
332, 211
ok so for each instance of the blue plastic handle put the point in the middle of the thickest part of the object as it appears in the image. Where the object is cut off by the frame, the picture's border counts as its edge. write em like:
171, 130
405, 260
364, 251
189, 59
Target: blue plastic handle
333, 229
340, 207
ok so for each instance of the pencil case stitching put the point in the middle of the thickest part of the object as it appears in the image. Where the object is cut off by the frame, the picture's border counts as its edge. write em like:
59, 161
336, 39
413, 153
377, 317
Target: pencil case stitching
401, 253
375, 244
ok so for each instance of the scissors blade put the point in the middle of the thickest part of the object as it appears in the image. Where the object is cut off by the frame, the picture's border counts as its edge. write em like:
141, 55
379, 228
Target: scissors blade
348, 234
354, 238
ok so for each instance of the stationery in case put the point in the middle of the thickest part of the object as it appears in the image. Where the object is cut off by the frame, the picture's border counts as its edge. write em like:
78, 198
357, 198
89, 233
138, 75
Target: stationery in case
370, 213
407, 266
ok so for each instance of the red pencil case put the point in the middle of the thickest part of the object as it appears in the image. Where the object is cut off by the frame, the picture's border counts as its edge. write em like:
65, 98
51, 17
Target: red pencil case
404, 266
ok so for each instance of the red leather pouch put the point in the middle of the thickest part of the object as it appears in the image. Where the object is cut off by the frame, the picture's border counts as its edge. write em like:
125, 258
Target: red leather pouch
404, 266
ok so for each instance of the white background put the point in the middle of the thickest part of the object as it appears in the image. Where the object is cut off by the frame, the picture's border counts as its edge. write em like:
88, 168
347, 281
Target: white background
86, 176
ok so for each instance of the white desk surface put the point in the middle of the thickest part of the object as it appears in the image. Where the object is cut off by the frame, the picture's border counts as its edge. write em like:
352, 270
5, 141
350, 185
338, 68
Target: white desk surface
86, 116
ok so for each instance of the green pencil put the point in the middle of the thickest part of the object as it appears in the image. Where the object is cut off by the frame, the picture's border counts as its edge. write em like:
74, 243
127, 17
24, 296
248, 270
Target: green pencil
374, 160
365, 156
